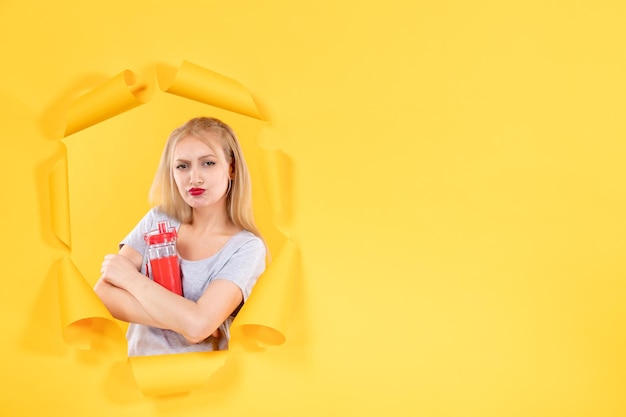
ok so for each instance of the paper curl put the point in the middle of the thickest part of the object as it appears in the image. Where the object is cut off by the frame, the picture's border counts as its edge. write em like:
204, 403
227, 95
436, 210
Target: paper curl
266, 316
205, 86
263, 320
83, 316
117, 95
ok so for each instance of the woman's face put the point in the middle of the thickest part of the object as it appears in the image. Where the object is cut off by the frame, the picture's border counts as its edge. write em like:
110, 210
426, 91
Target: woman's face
201, 171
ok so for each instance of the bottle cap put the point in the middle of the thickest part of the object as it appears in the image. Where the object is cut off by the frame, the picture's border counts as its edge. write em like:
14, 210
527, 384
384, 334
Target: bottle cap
164, 234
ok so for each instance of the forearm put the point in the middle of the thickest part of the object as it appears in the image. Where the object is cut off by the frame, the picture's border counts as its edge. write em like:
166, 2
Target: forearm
173, 311
123, 305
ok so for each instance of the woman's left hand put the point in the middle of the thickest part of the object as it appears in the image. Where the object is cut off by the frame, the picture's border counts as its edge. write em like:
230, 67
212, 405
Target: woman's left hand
118, 270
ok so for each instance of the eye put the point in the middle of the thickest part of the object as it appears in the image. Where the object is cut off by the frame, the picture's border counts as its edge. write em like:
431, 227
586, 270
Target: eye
209, 163
181, 166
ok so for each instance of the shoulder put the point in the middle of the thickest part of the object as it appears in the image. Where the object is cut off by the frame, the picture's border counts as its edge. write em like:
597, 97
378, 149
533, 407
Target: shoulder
247, 236
248, 242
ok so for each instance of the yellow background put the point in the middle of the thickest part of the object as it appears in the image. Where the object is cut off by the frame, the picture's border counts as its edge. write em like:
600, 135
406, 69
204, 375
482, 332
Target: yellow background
457, 198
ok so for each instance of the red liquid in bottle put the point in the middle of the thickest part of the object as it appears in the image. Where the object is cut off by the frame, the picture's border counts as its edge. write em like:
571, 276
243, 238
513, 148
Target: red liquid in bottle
165, 271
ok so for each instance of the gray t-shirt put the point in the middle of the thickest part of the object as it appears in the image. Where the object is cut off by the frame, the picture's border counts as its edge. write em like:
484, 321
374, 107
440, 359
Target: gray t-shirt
241, 261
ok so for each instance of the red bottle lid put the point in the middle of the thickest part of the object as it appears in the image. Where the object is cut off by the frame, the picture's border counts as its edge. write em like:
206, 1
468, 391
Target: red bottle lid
163, 235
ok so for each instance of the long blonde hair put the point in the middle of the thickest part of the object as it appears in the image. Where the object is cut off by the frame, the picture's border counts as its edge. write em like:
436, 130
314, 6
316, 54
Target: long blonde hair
165, 196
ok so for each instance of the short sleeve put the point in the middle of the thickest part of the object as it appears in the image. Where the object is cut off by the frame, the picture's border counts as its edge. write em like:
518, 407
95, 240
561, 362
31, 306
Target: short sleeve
245, 265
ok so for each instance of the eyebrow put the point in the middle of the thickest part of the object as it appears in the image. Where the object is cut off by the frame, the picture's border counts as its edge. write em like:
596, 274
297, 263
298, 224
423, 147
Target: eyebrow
201, 157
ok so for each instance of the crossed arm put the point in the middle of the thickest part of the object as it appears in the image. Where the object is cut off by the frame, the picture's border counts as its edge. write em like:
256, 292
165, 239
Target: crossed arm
130, 296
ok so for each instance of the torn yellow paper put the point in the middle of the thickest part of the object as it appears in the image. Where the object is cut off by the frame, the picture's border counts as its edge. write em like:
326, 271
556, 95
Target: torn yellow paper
200, 84
266, 314
117, 95
276, 175
175, 374
59, 201
81, 310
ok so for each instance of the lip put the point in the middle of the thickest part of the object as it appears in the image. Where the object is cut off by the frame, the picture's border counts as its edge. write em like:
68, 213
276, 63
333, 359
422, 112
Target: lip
196, 191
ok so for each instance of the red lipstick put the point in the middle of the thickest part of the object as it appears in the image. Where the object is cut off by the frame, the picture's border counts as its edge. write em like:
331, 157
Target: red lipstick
196, 191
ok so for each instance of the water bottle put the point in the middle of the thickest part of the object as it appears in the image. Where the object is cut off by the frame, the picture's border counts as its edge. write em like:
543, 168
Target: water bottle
163, 266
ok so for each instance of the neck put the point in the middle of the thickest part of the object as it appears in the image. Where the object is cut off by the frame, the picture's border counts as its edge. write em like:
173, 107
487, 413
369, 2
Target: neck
211, 218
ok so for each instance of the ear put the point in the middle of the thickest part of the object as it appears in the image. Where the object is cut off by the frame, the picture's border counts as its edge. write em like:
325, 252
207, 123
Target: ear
231, 171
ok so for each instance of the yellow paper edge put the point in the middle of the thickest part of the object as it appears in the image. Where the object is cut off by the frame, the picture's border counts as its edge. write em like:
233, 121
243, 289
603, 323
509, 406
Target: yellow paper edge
60, 201
175, 374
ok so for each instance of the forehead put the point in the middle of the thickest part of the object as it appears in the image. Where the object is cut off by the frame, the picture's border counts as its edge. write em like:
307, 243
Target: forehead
209, 142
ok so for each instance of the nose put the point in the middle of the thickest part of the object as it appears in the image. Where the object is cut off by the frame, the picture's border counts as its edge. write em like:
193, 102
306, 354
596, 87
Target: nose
194, 176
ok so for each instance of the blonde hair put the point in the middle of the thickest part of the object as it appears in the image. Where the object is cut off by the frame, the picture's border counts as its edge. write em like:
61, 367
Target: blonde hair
165, 196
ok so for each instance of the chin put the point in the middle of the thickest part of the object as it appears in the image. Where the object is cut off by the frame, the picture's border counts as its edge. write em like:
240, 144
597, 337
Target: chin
200, 204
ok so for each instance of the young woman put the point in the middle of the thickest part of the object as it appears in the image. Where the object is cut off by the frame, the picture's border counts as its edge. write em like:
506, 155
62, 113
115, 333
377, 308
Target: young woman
202, 187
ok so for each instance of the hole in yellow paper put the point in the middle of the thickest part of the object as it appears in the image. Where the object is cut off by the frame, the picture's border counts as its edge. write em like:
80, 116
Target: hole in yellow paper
112, 154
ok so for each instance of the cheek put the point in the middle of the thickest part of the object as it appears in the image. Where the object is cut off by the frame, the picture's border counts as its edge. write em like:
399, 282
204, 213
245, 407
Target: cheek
178, 178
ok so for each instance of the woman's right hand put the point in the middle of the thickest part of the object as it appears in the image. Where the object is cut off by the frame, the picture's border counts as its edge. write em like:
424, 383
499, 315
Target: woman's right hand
118, 270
